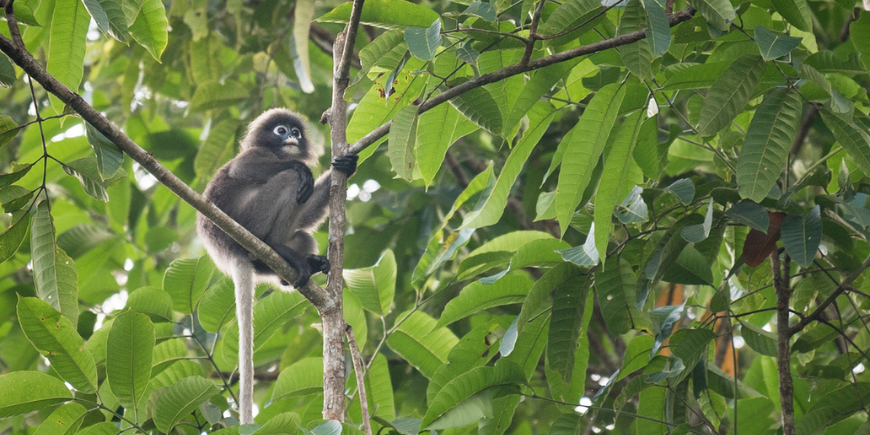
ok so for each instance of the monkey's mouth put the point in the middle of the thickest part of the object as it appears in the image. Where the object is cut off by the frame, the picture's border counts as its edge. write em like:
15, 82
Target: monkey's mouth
291, 141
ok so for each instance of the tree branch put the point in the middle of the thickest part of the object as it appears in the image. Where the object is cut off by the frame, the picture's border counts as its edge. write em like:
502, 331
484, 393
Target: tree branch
817, 313
257, 247
783, 349
519, 68
360, 379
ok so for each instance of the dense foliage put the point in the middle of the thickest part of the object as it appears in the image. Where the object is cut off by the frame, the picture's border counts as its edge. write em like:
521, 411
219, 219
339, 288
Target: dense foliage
638, 217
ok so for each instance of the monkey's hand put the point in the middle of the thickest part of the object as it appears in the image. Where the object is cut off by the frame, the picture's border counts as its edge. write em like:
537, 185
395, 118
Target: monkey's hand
306, 183
346, 164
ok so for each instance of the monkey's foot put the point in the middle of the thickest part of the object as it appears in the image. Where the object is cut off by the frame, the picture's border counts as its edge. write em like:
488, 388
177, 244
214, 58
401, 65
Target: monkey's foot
318, 263
346, 164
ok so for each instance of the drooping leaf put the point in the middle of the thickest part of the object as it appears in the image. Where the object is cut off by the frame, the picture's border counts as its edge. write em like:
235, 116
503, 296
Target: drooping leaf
853, 138
13, 237
87, 172
767, 144
185, 280
615, 288
758, 339
66, 50
303, 14
419, 342
55, 336
109, 156
65, 420
796, 12
749, 214
376, 285
128, 357
663, 321
8, 130
566, 322
730, 93
839, 104
699, 232
801, 236
386, 14
480, 108
424, 42
152, 301
214, 95
150, 28
7, 78
25, 391
300, 378
568, 15
54, 273
588, 139
176, 401
682, 189
636, 56
719, 13
477, 297
772, 45
633, 208
402, 142
585, 254
658, 28
270, 314
437, 130
217, 306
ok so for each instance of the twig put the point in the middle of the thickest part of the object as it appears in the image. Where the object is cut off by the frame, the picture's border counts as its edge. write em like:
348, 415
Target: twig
12, 22
783, 350
815, 315
360, 379
804, 129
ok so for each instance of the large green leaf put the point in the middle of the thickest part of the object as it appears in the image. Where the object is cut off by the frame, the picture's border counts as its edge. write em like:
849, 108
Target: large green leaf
177, 401
479, 106
583, 146
152, 301
719, 13
568, 15
87, 171
109, 156
376, 285
477, 297
150, 29
54, 273
437, 130
387, 14
854, 139
796, 12
217, 306
23, 391
801, 236
475, 349
379, 387
860, 36
767, 144
8, 130
615, 288
7, 77
419, 342
185, 280
303, 14
658, 29
129, 350
270, 314
300, 378
65, 420
491, 206
636, 56
566, 323
618, 178
13, 237
424, 42
773, 45
402, 142
730, 93
465, 386
66, 50
56, 338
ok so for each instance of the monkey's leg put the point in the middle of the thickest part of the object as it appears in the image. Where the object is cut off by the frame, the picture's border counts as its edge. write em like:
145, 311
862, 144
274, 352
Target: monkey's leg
304, 243
243, 279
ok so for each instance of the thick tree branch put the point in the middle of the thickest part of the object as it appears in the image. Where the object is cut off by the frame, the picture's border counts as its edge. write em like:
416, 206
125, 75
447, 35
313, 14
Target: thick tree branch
519, 68
257, 247
333, 318
783, 350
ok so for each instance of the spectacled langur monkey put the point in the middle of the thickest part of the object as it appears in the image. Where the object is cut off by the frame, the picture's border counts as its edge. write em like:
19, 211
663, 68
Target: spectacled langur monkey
268, 189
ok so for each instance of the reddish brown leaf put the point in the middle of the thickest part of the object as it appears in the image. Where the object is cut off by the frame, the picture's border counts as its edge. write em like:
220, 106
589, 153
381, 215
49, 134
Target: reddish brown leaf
759, 245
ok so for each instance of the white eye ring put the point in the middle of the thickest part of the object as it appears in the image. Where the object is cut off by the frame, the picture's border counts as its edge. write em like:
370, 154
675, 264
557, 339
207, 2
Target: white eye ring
295, 132
280, 130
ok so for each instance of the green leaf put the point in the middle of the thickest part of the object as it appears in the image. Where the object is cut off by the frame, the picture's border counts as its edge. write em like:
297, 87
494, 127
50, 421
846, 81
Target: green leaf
682, 189
109, 156
379, 387
382, 51
386, 14
129, 350
14, 198
566, 322
484, 10
214, 95
54, 273
303, 14
217, 148
154, 302
770, 137
663, 320
618, 178
772, 45
7, 78
150, 28
270, 314
691, 348
401, 143
300, 378
176, 371
585, 254
437, 130
570, 14
541, 291
419, 342
839, 104
492, 204
467, 385
658, 29
582, 150
185, 280
750, 214
633, 208
860, 36
180, 399
88, 174
801, 236
615, 285
217, 306
479, 106
541, 83
475, 349
65, 420
796, 12
730, 93
55, 337
13, 237
8, 130
853, 138
636, 56
375, 286
424, 42
758, 339
117, 21
699, 232
168, 352
24, 391
66, 49
719, 13
476, 297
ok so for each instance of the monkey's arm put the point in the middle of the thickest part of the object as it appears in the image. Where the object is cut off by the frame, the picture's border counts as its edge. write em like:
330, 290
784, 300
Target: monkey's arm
314, 211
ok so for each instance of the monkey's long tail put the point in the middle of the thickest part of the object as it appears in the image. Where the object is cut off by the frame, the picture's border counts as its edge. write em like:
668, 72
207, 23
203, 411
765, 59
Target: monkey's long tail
243, 279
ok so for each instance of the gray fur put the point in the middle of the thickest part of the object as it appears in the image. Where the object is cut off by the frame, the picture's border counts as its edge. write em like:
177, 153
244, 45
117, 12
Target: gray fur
268, 189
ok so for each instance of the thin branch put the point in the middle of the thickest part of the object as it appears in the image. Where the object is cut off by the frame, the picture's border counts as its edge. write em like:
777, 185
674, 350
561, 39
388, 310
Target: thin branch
515, 69
360, 379
257, 247
12, 22
815, 315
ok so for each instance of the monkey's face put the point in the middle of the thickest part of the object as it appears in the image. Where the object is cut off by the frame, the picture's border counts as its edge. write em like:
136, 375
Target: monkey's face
281, 131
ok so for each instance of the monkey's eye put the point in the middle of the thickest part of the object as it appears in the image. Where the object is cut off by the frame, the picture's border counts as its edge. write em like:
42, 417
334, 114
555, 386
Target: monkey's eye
295, 132
280, 130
